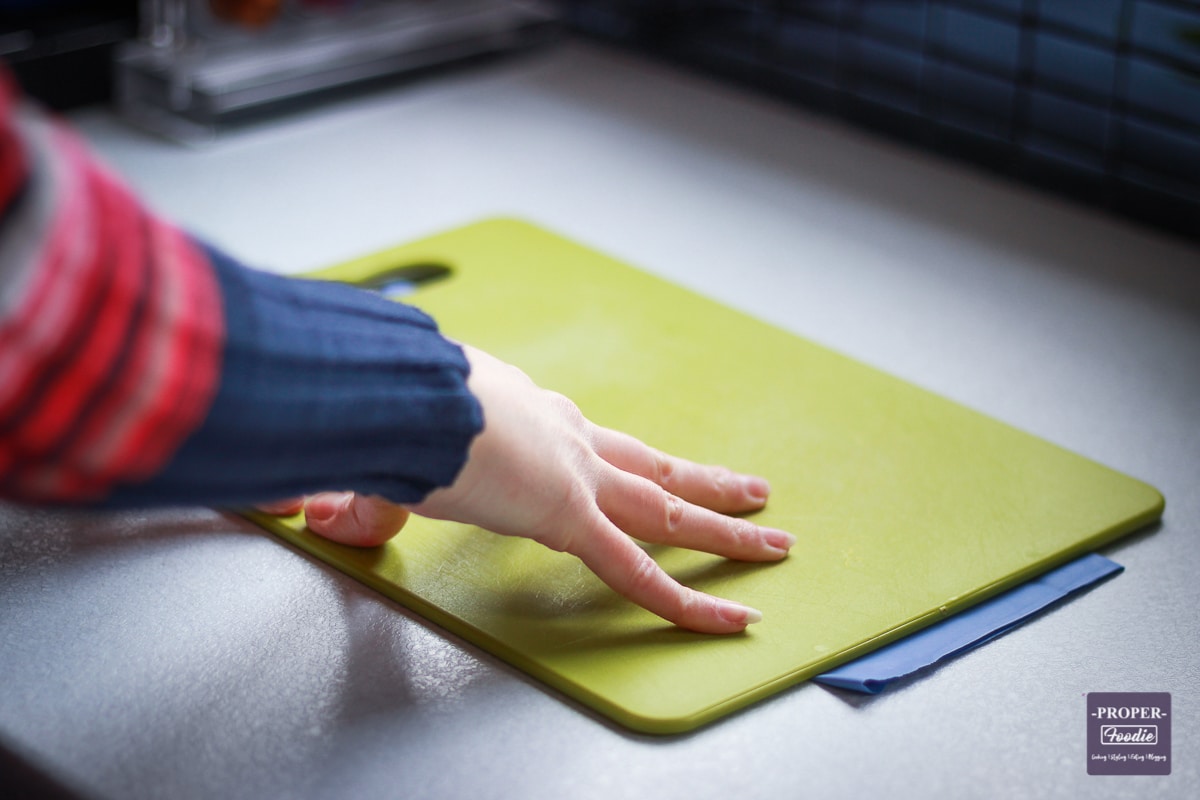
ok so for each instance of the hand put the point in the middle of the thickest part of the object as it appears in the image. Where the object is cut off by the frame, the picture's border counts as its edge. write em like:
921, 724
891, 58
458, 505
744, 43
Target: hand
541, 470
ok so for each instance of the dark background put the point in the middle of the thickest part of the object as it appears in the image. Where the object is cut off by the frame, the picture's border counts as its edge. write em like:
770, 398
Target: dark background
1098, 100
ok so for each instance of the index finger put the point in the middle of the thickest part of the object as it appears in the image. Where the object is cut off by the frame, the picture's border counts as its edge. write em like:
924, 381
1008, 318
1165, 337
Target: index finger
631, 572
713, 487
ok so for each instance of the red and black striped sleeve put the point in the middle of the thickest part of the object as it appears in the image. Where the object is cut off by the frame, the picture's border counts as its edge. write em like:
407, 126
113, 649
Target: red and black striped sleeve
141, 367
111, 324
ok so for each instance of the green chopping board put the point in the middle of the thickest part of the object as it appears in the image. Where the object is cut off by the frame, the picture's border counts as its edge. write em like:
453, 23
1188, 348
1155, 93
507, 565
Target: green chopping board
908, 507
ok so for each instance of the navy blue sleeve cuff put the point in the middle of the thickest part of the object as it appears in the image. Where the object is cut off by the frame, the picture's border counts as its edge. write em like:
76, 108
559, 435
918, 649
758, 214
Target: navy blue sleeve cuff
323, 387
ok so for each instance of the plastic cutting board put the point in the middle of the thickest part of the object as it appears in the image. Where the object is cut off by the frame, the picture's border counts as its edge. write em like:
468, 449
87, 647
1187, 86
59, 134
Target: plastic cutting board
908, 507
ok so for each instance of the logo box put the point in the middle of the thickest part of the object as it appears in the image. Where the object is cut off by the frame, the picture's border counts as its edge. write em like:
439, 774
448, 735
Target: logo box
1129, 733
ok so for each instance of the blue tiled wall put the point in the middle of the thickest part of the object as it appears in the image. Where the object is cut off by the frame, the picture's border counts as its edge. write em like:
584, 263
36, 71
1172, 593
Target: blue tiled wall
1098, 99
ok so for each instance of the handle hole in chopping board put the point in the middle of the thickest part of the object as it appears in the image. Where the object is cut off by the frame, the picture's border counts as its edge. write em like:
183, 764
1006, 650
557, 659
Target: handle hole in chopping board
395, 283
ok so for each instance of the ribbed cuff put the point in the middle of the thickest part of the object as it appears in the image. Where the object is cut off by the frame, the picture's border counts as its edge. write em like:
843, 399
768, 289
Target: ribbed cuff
323, 387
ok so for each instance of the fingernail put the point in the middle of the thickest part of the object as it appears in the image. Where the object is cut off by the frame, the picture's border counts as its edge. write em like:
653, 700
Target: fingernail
756, 488
739, 614
780, 540
321, 507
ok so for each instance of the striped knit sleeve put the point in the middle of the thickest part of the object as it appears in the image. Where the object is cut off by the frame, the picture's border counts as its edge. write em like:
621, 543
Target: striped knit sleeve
111, 328
140, 367
325, 387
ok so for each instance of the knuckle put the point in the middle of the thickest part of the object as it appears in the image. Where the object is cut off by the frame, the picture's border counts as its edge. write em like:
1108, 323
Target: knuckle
689, 602
565, 406
723, 480
674, 512
664, 469
745, 531
643, 576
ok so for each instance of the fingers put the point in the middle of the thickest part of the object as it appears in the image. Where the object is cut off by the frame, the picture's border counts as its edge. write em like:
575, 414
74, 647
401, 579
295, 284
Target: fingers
354, 519
625, 567
716, 488
642, 509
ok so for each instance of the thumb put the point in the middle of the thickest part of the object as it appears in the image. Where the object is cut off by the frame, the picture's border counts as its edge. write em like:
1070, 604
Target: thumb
353, 519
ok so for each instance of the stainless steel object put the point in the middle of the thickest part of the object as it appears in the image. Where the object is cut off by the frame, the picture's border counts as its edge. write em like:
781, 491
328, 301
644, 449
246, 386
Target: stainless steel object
191, 72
